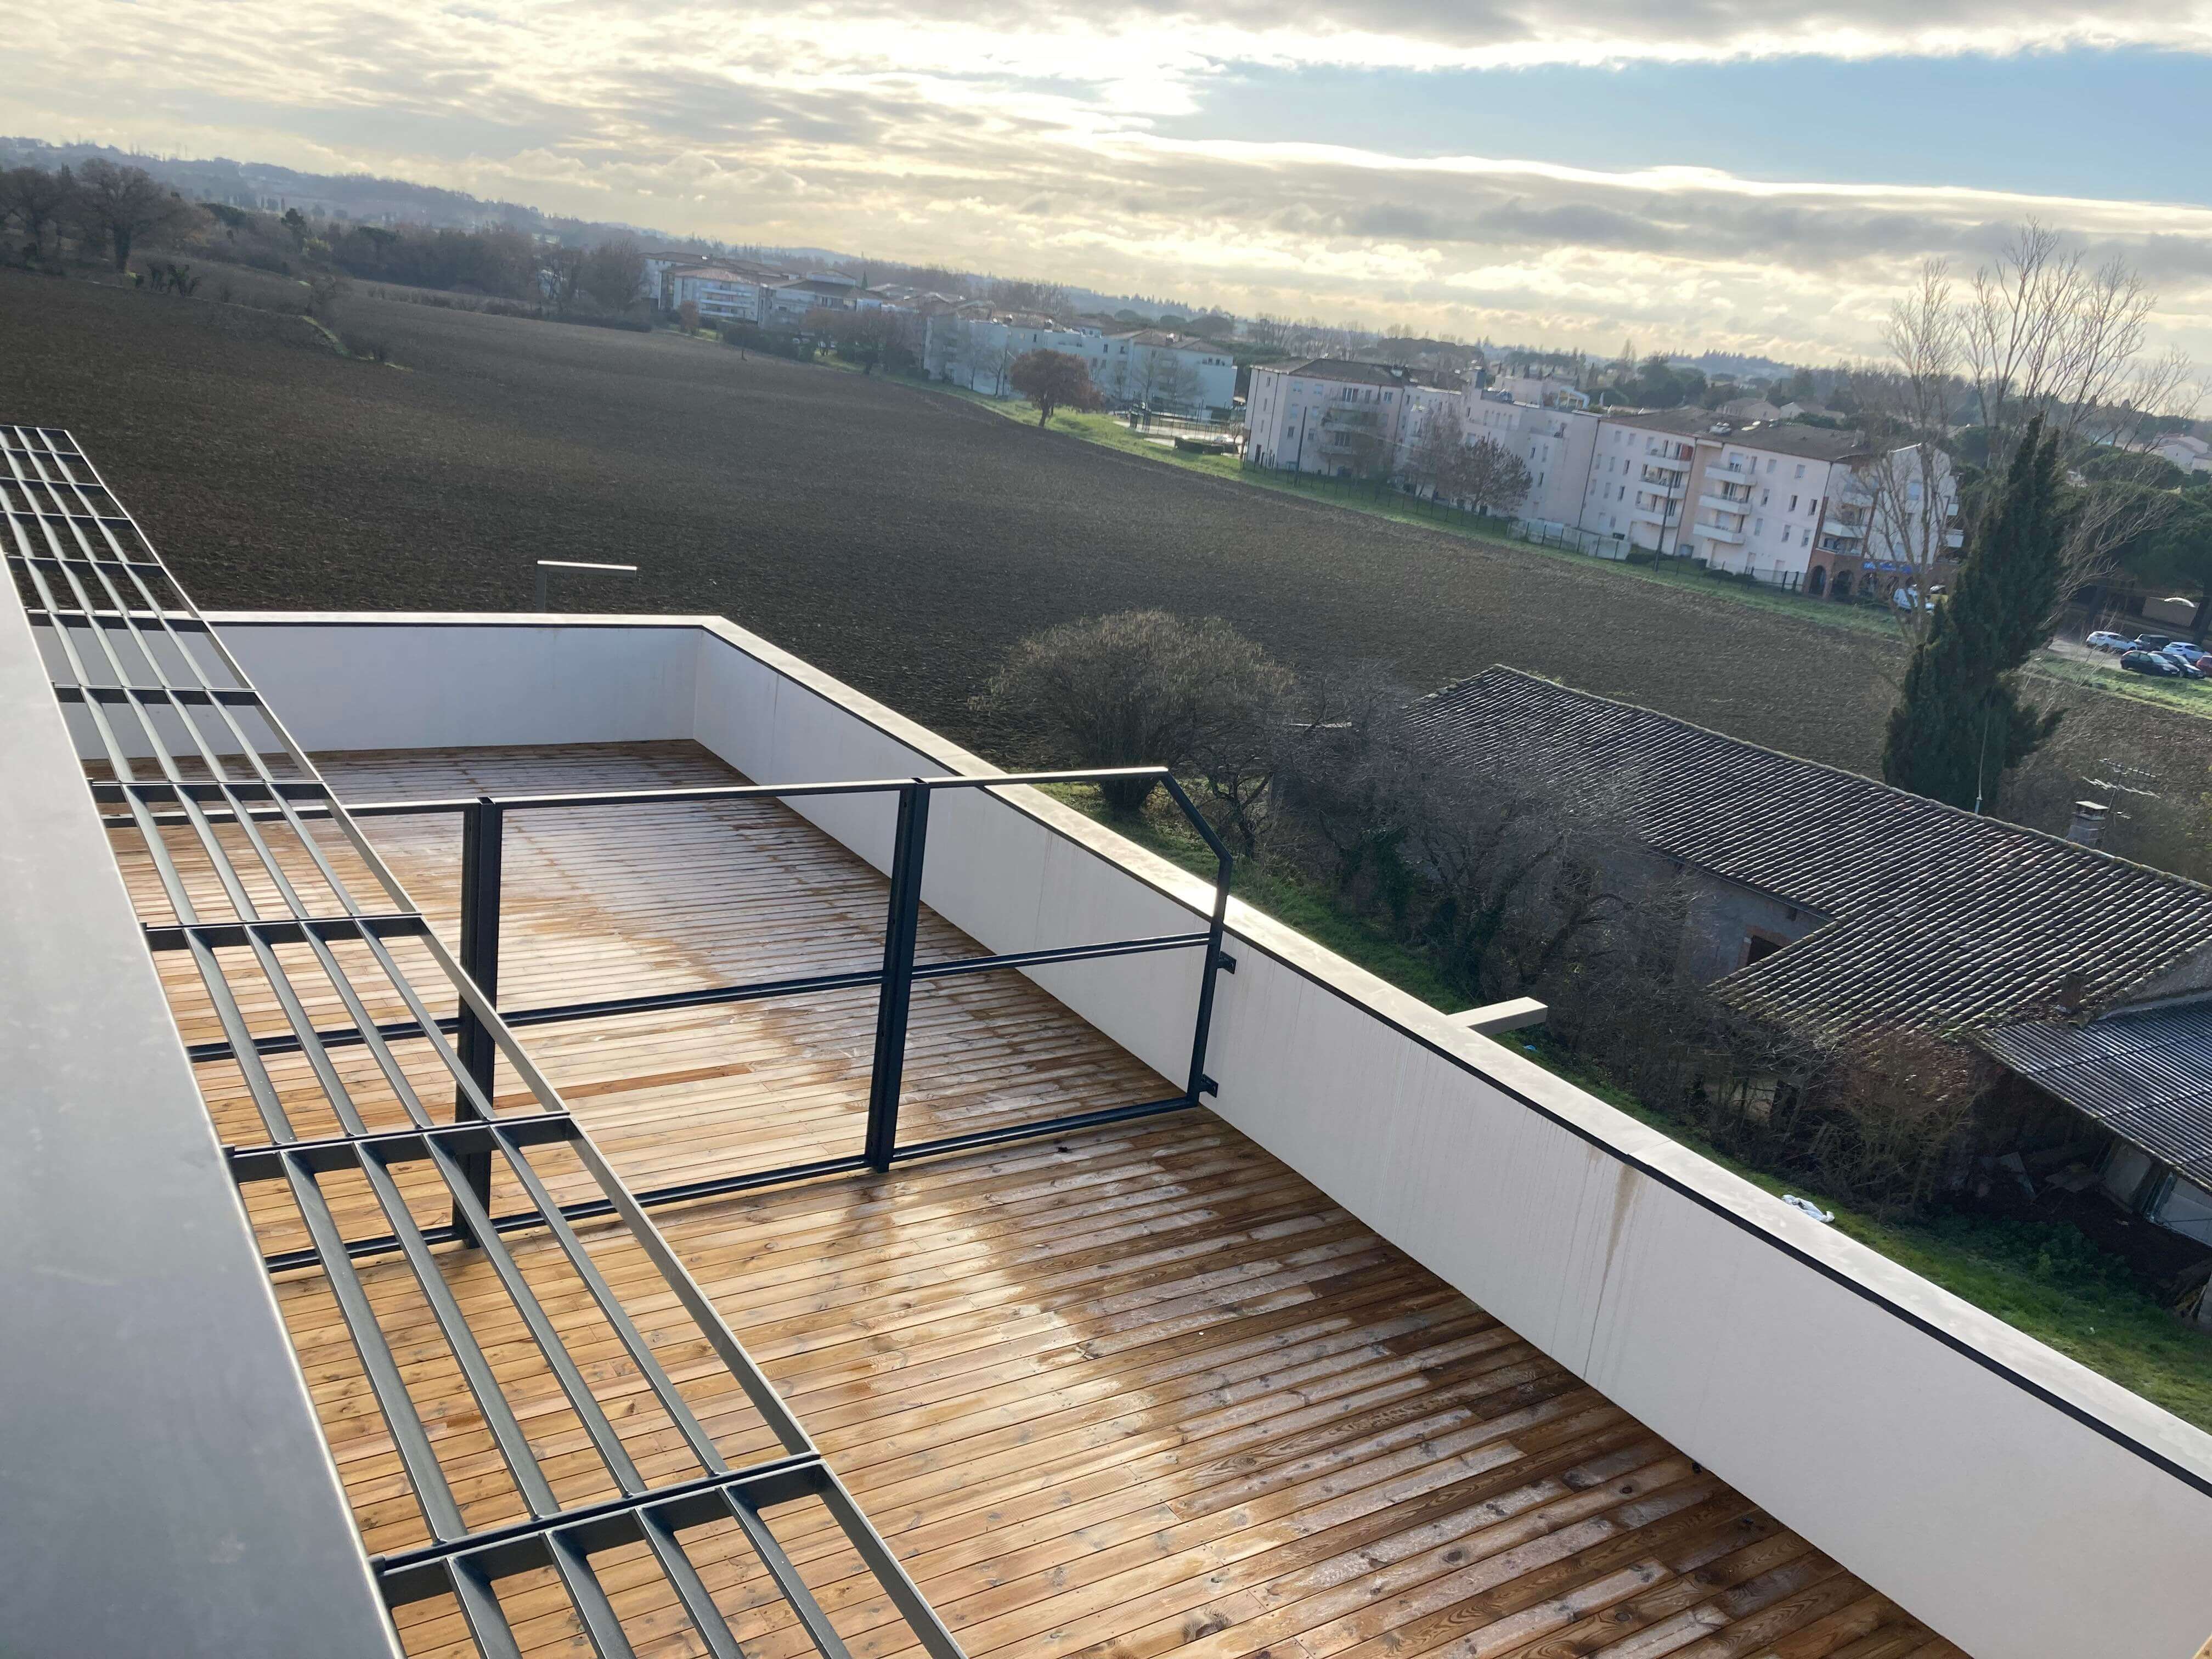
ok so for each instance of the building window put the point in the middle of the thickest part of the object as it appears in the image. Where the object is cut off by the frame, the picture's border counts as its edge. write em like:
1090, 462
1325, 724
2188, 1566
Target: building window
1800, 469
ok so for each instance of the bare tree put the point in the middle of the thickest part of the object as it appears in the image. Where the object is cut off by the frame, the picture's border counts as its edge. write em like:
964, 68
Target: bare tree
34, 199
613, 274
1046, 299
873, 338
1050, 379
1900, 503
2039, 332
123, 205
1141, 687
1179, 383
1488, 477
561, 275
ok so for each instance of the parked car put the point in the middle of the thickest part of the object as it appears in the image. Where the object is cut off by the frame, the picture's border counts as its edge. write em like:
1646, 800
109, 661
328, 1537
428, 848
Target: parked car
2105, 640
2153, 641
2189, 651
2159, 666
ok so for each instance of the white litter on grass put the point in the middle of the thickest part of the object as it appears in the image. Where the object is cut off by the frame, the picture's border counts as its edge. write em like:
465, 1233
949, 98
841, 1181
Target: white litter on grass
1808, 1207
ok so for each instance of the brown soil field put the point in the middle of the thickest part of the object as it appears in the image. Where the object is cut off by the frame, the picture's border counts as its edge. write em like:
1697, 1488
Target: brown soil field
900, 538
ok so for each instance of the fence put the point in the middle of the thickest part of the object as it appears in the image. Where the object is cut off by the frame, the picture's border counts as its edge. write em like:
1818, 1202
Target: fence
1140, 419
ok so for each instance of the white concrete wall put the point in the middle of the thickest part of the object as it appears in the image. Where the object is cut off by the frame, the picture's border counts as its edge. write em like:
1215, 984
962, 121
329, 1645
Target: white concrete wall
359, 682
2023, 1506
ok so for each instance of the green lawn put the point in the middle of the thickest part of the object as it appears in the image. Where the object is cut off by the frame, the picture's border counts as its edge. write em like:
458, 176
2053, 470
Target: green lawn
2049, 1281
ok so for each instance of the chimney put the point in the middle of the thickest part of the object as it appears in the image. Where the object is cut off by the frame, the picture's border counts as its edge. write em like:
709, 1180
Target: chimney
2088, 826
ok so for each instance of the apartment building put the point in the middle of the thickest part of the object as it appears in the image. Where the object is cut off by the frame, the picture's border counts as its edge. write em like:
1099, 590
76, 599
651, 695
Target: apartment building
790, 300
1637, 479
653, 283
1554, 442
1147, 368
722, 292
1762, 492
1331, 416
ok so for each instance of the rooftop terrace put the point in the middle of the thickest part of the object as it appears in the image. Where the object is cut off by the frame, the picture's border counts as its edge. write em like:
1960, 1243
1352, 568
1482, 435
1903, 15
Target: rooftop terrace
1359, 1335
1135, 1391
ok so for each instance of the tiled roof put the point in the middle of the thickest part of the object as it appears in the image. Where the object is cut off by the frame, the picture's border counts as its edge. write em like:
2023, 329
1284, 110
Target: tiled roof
1682, 422
1935, 918
1348, 368
2146, 1076
1787, 438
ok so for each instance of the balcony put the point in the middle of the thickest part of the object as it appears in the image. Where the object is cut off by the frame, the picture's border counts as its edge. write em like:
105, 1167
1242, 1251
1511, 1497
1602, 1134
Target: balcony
1357, 420
1721, 502
1667, 481
1392, 1338
1705, 531
1662, 514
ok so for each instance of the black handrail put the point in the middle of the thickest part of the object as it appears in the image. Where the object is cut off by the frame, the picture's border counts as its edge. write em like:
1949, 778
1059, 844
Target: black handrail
483, 829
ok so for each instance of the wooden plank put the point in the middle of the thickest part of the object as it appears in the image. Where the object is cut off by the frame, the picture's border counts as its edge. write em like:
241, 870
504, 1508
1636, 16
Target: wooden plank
1142, 1392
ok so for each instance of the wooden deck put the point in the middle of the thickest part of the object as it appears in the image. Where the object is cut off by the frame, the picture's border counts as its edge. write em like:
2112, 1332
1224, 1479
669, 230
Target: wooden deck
1142, 1391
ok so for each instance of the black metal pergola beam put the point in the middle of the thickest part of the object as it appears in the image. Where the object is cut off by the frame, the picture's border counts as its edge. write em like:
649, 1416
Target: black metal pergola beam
128, 651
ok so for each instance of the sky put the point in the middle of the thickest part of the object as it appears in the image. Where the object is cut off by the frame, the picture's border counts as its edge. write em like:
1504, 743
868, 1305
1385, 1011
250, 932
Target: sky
1707, 174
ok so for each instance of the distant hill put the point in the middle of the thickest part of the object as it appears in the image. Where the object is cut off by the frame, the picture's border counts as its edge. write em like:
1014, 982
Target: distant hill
361, 197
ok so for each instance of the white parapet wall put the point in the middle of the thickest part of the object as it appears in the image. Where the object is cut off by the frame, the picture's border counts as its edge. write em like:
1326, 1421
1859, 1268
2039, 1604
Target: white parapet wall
2020, 1504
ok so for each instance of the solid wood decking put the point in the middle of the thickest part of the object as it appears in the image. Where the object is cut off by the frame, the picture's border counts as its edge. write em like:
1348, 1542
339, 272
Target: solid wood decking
1141, 1391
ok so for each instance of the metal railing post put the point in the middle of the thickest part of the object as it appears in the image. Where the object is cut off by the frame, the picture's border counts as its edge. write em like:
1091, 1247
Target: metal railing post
483, 842
897, 994
1217, 928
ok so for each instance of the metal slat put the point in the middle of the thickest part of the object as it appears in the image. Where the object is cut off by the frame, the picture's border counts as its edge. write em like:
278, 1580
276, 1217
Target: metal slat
98, 583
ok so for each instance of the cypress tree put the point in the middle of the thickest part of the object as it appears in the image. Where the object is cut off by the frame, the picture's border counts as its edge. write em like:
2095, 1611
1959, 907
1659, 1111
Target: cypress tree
1960, 723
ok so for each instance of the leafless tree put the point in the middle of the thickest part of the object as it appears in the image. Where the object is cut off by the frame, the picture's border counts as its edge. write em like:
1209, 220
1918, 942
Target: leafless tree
34, 198
1489, 477
1141, 687
1433, 458
1050, 380
1046, 299
1178, 380
613, 274
2038, 332
121, 205
561, 275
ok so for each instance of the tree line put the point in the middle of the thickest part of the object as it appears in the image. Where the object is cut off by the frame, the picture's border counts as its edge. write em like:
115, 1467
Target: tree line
110, 210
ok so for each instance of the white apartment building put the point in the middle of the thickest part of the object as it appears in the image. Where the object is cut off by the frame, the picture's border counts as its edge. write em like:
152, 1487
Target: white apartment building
1164, 371
789, 301
722, 293
2190, 454
1637, 475
1804, 508
1554, 442
1330, 415
653, 284
1762, 493
1546, 391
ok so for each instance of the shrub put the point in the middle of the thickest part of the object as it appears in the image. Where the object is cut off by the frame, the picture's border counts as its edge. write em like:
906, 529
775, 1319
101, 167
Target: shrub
1143, 687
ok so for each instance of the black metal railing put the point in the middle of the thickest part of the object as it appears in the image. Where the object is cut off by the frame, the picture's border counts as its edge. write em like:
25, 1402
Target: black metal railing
483, 828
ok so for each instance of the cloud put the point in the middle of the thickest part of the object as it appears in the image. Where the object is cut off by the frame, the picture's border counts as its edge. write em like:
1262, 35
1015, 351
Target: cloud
1026, 138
